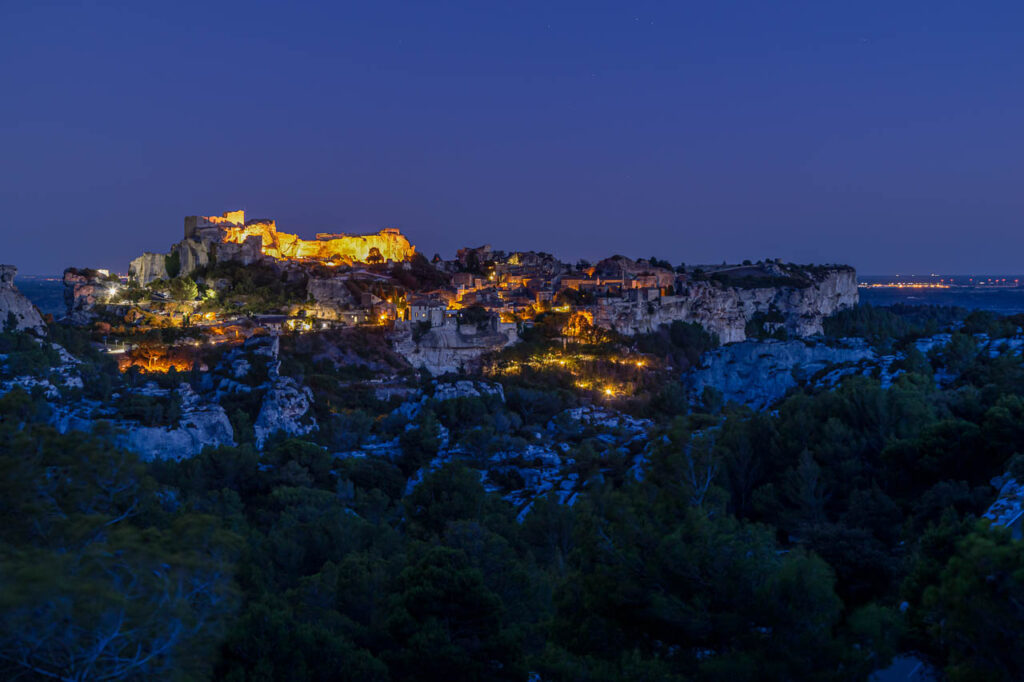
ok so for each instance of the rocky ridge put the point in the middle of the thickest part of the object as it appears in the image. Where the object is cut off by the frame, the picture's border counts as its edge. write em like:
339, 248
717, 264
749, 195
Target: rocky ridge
726, 310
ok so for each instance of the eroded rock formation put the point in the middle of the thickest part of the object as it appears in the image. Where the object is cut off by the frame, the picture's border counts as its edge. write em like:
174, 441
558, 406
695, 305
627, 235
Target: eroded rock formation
451, 348
202, 424
148, 267
725, 310
287, 408
757, 373
15, 308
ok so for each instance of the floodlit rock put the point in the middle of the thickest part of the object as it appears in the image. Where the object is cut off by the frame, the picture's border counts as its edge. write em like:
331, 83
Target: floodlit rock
15, 308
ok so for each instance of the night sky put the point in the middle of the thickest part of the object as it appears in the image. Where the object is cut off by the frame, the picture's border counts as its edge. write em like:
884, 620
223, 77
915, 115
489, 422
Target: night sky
886, 135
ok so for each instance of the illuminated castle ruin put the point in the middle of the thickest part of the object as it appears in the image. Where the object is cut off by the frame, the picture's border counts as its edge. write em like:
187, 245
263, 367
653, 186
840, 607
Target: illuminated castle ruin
232, 238
233, 228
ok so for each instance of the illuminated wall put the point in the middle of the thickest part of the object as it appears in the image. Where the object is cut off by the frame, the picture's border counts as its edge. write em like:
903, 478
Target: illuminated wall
390, 243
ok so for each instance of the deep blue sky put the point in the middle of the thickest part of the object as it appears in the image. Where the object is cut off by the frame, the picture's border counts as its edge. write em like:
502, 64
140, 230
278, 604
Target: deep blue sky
887, 135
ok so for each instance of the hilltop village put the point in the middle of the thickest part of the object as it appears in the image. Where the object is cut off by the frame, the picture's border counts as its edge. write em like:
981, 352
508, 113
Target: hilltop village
230, 278
344, 403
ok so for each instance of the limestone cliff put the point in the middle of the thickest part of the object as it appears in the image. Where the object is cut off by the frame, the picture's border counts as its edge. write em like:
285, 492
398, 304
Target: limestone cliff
757, 373
725, 310
330, 291
192, 254
287, 407
200, 427
15, 307
450, 348
148, 267
202, 424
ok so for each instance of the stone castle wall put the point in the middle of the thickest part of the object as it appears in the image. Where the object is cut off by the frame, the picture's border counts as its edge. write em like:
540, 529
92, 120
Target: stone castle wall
230, 238
233, 228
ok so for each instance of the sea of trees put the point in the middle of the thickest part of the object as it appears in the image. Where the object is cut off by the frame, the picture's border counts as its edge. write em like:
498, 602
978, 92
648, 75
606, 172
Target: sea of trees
815, 541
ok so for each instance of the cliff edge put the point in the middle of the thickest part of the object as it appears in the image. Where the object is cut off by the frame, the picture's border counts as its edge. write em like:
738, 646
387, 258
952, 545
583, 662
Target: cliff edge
17, 312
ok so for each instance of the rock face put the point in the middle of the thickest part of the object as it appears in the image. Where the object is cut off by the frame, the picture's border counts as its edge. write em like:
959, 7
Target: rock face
1008, 509
202, 424
468, 389
201, 427
148, 267
329, 291
757, 373
82, 288
726, 310
57, 380
14, 307
247, 252
450, 348
192, 254
286, 407
453, 391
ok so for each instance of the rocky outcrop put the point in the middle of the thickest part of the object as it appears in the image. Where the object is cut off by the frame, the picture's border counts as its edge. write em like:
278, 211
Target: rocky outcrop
15, 308
525, 471
82, 290
450, 348
726, 310
205, 426
606, 418
201, 425
148, 267
286, 407
54, 382
452, 391
247, 252
757, 373
334, 292
192, 254
468, 389
1008, 509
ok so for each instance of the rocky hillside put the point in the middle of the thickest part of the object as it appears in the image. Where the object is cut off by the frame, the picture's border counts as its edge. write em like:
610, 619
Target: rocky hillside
725, 307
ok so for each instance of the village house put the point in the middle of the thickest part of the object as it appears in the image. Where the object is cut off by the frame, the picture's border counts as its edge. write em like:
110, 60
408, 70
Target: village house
427, 309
